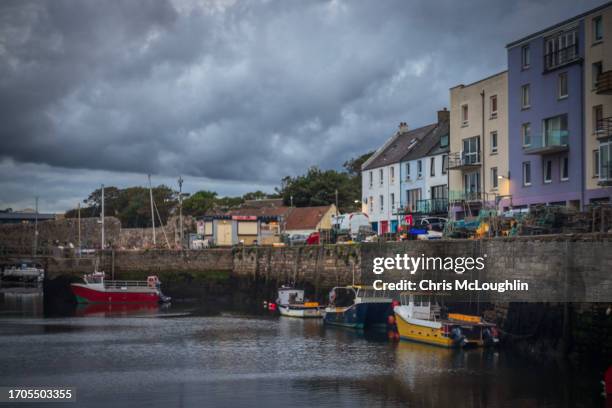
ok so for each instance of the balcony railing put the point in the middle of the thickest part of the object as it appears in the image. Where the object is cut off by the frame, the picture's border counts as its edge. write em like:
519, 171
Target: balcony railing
465, 196
432, 206
549, 143
561, 57
604, 83
604, 128
463, 160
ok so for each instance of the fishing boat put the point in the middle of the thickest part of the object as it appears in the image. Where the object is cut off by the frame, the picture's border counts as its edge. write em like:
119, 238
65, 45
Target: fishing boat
96, 289
420, 318
291, 303
358, 307
25, 271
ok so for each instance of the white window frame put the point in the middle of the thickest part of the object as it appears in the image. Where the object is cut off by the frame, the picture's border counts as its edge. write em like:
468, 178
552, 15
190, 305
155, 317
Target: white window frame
563, 76
596, 109
392, 174
381, 175
564, 168
596, 163
493, 112
465, 115
444, 163
494, 178
392, 201
419, 169
525, 56
526, 126
432, 166
494, 146
381, 198
526, 96
547, 177
408, 171
597, 22
526, 165
371, 204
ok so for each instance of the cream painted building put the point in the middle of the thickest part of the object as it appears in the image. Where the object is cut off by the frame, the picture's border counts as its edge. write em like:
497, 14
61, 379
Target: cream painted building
478, 160
598, 104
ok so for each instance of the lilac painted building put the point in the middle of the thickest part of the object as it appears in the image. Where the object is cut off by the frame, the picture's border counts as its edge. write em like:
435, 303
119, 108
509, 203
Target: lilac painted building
545, 116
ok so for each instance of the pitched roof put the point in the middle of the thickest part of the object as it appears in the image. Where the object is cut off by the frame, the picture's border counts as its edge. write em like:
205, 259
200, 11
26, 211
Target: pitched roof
430, 144
304, 218
261, 211
264, 202
397, 146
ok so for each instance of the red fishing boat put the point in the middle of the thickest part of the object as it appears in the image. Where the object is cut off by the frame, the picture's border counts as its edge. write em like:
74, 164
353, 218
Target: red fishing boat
96, 289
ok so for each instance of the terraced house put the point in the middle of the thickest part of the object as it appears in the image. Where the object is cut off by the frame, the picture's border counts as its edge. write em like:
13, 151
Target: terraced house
553, 105
396, 182
478, 161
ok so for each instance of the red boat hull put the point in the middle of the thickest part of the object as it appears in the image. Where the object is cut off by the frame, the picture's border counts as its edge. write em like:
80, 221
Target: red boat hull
88, 295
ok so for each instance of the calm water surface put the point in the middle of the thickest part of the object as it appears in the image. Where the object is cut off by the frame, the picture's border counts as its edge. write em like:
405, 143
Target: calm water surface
188, 355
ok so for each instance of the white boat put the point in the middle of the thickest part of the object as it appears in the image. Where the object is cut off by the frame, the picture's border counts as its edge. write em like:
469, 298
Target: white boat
291, 303
24, 271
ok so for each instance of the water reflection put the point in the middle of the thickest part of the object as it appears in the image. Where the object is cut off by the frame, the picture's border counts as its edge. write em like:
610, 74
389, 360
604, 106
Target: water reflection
21, 300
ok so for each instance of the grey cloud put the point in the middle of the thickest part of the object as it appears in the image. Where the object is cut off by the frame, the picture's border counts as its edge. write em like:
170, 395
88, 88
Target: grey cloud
237, 91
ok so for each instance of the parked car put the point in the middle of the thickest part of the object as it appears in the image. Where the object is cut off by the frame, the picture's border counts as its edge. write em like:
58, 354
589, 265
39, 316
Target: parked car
431, 223
297, 239
313, 239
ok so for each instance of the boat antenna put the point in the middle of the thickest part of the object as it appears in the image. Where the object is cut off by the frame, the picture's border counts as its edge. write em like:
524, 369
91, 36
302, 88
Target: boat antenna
102, 219
152, 210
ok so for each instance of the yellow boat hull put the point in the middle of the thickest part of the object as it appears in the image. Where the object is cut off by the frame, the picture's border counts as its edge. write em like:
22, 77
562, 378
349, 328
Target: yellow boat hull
422, 334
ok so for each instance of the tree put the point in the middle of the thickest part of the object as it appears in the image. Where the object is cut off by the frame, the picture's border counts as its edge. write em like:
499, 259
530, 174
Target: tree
199, 203
353, 166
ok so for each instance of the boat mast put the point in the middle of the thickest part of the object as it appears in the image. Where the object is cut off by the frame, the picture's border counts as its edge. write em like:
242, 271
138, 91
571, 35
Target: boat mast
180, 183
36, 229
152, 212
102, 218
79, 225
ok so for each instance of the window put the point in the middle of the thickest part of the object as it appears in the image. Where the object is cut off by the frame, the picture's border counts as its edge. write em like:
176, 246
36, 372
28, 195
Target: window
407, 171
527, 173
392, 174
525, 57
471, 150
547, 171
494, 142
564, 168
444, 163
605, 161
464, 115
526, 134
597, 29
412, 198
392, 201
560, 49
555, 131
371, 179
595, 163
493, 106
371, 204
525, 97
596, 70
562, 85
471, 185
494, 178
432, 167
381, 175
382, 203
598, 118
444, 141
419, 169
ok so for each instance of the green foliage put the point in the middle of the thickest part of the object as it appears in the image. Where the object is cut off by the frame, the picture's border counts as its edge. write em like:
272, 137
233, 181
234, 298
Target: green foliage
318, 187
199, 203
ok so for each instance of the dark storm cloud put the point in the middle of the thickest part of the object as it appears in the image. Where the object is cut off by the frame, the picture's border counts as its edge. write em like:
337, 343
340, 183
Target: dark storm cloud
237, 91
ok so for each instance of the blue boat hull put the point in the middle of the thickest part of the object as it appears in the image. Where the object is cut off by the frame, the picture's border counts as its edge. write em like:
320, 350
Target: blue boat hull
361, 316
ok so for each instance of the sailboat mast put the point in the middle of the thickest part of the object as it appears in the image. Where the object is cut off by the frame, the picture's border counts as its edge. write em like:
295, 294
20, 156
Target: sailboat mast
103, 245
152, 212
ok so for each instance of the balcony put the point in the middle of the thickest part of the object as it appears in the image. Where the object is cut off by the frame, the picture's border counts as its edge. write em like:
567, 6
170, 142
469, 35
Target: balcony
464, 161
467, 196
552, 142
604, 129
432, 206
604, 83
561, 57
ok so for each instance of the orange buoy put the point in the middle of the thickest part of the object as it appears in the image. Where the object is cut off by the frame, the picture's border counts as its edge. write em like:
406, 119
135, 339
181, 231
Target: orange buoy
391, 320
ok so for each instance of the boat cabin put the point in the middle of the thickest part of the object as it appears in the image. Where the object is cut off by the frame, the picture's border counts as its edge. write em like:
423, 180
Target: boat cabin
290, 296
424, 307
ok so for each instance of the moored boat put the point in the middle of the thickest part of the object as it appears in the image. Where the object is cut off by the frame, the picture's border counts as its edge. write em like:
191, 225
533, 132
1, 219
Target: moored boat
291, 303
420, 318
96, 289
358, 307
25, 271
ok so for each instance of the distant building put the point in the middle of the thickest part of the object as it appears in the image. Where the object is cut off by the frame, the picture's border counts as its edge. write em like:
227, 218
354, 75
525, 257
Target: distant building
15, 217
478, 161
305, 220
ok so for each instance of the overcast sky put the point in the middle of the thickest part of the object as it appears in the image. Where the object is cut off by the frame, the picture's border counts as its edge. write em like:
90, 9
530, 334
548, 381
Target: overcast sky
231, 95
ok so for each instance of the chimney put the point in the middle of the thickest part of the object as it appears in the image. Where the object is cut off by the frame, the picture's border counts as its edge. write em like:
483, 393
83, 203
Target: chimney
443, 115
403, 127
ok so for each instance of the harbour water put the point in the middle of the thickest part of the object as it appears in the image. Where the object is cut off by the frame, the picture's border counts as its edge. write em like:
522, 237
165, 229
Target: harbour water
198, 355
